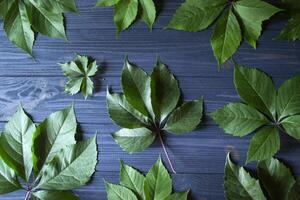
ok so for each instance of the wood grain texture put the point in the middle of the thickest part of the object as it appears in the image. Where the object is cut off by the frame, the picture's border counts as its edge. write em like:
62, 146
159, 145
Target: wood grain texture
199, 156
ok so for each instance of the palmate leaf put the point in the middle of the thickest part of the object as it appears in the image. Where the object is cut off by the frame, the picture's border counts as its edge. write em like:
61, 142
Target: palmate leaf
157, 185
264, 106
241, 19
79, 73
126, 12
22, 19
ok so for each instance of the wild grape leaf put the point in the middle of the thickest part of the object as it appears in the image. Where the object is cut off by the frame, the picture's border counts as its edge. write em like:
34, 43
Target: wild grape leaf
16, 143
126, 12
54, 195
239, 185
79, 73
71, 168
54, 133
274, 175
157, 185
8, 179
264, 144
22, 19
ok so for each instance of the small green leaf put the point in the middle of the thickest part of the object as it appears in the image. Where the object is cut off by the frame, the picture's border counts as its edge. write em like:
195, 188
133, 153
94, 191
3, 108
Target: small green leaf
158, 183
292, 126
226, 37
134, 140
264, 144
125, 13
16, 143
72, 167
238, 119
132, 179
8, 179
148, 12
136, 87
178, 196
288, 98
53, 134
107, 2
196, 15
122, 113
55, 195
118, 192
256, 89
276, 178
165, 92
292, 30
239, 185
252, 14
185, 118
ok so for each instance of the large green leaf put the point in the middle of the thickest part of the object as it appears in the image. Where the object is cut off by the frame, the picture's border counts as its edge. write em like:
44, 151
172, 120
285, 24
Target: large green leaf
239, 185
165, 92
17, 26
178, 196
134, 140
276, 178
292, 30
288, 98
252, 14
158, 183
132, 179
185, 118
136, 87
226, 37
264, 144
196, 15
125, 13
53, 134
238, 119
72, 167
16, 143
148, 12
55, 195
8, 179
292, 126
122, 113
256, 89
118, 192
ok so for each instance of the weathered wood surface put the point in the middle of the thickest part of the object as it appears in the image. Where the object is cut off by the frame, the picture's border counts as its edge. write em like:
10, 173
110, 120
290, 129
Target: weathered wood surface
199, 156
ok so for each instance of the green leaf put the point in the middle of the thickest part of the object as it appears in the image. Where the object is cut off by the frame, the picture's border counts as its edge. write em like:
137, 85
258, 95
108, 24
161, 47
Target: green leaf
72, 167
54, 133
226, 37
55, 195
196, 15
158, 183
292, 126
17, 26
125, 13
136, 87
185, 118
79, 73
178, 196
252, 14
165, 92
8, 179
58, 6
107, 2
292, 30
239, 185
132, 179
256, 89
16, 143
294, 192
276, 178
134, 140
264, 144
4, 7
238, 119
118, 192
122, 113
148, 12
288, 98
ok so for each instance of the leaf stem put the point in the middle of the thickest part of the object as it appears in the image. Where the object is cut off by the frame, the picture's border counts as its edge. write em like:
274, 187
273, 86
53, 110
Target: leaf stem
166, 153
27, 194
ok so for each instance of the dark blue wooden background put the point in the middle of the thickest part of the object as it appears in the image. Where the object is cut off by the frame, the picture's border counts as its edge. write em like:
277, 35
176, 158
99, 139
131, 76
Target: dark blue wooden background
199, 156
